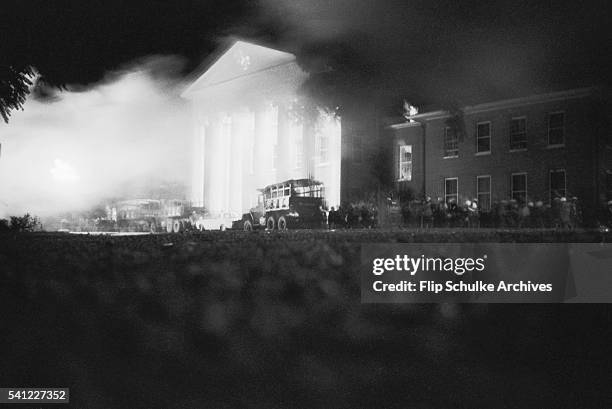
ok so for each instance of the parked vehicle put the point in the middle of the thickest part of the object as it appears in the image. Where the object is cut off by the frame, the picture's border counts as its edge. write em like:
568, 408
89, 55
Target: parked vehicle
220, 221
153, 215
292, 204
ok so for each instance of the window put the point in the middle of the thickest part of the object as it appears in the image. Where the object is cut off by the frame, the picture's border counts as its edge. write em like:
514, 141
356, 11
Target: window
405, 162
483, 137
557, 183
483, 192
451, 143
518, 133
556, 128
451, 190
518, 187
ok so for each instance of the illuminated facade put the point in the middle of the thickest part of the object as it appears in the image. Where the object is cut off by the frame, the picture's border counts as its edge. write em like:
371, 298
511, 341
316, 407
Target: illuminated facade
533, 148
251, 129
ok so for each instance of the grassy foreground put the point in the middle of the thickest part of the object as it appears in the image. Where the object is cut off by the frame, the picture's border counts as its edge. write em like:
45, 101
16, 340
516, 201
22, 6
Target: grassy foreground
232, 320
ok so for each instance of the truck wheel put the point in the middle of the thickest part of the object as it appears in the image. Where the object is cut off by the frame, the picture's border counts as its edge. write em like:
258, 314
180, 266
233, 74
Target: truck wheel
153, 227
248, 226
270, 223
169, 226
282, 223
176, 226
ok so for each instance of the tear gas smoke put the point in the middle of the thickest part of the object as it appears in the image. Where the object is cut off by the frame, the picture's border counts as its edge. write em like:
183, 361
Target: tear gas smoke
78, 148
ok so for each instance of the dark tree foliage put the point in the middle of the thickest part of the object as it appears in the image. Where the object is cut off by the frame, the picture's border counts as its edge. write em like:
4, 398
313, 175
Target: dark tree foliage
15, 83
25, 223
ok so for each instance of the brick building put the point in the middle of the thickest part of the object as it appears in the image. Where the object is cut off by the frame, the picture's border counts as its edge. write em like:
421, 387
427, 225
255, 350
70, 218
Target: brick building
532, 148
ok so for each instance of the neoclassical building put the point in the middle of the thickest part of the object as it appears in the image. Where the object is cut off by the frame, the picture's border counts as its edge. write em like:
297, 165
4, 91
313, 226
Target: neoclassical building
252, 129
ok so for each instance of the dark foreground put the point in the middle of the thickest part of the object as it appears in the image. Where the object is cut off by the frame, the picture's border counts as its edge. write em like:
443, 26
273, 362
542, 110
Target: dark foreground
233, 320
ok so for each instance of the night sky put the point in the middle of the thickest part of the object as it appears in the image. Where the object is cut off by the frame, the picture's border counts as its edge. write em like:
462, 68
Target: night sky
429, 51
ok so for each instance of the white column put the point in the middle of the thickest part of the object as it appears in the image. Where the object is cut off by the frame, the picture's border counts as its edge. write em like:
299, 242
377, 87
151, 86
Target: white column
197, 157
214, 192
328, 171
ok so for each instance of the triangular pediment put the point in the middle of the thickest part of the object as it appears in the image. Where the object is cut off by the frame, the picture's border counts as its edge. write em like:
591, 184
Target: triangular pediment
241, 59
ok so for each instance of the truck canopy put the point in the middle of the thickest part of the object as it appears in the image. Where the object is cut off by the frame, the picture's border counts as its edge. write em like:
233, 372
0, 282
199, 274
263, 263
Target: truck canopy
294, 187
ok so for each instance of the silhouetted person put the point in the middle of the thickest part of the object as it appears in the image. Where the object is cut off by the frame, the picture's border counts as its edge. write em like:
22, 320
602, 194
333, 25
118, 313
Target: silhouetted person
502, 208
332, 217
565, 211
473, 214
575, 213
555, 212
538, 215
427, 213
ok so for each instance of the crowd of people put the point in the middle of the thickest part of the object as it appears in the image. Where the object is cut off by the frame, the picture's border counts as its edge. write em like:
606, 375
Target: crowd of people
353, 215
561, 213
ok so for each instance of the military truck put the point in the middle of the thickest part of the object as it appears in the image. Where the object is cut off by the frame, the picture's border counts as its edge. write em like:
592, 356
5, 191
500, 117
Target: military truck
153, 215
292, 204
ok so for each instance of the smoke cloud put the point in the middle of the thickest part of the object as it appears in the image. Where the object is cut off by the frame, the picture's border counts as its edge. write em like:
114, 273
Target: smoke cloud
73, 149
442, 52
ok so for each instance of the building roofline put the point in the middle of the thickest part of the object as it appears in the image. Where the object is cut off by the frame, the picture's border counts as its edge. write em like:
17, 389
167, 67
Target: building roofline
531, 99
402, 125
502, 104
215, 56
190, 92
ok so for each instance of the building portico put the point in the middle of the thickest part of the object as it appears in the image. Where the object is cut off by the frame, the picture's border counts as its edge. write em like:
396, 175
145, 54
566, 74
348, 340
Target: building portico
252, 129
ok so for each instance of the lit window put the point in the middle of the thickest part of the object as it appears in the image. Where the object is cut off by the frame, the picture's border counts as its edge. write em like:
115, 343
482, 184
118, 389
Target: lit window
451, 190
557, 183
483, 192
483, 137
518, 133
405, 162
451, 143
518, 187
556, 128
